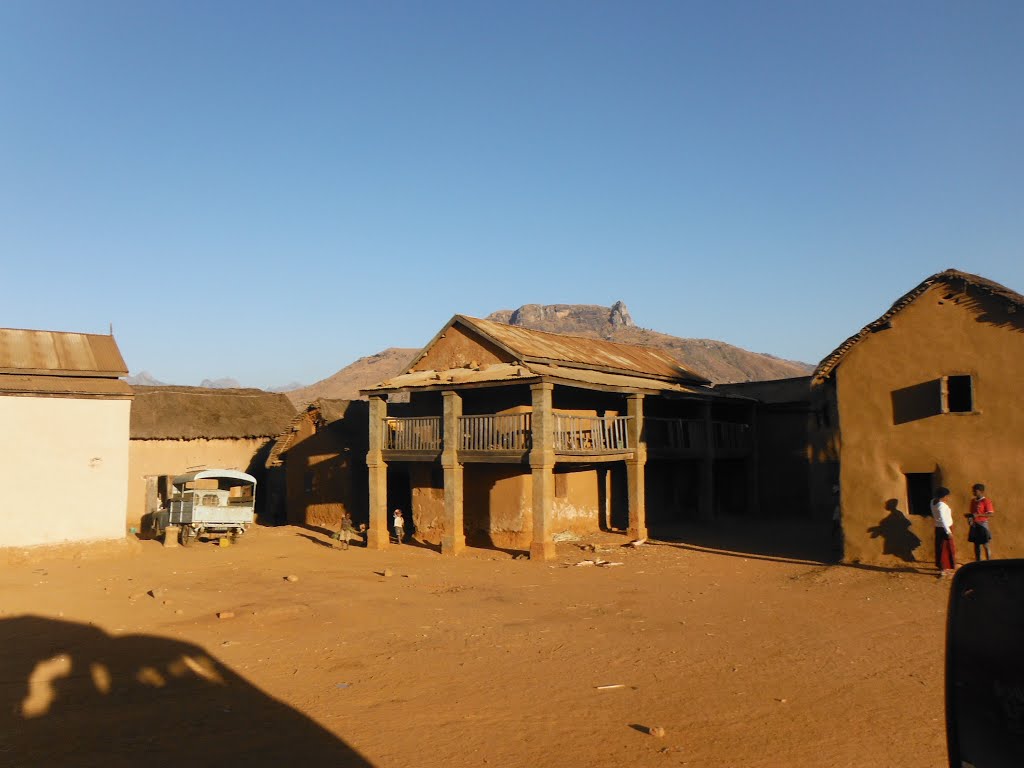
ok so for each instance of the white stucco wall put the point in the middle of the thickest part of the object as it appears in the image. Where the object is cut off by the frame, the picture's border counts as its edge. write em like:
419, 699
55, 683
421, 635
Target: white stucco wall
63, 469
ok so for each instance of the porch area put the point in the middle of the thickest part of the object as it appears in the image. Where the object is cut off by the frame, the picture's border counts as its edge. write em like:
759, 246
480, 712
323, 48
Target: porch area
547, 434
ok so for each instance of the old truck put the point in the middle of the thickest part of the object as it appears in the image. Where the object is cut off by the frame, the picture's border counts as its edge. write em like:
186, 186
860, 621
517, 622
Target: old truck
209, 503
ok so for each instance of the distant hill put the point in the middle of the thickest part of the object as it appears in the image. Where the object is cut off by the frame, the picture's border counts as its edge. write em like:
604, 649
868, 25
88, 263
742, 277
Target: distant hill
224, 383
144, 379
364, 372
720, 362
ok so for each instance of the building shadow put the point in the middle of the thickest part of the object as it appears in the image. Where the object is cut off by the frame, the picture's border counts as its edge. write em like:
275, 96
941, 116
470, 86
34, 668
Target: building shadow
73, 695
796, 539
897, 537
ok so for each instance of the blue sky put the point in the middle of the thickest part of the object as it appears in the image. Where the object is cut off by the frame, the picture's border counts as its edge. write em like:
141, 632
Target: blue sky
271, 190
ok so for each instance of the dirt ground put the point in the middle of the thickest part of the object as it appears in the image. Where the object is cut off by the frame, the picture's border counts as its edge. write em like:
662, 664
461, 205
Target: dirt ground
406, 658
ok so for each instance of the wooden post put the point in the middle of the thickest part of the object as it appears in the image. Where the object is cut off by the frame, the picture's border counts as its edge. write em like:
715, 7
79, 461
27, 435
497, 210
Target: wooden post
636, 468
542, 465
377, 536
706, 501
453, 540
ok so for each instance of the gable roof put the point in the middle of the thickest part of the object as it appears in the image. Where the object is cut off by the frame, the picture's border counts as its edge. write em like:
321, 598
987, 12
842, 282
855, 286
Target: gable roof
58, 353
191, 413
526, 345
953, 278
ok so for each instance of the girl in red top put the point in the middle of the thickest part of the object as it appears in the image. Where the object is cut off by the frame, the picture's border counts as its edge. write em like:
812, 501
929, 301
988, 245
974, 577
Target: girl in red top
981, 511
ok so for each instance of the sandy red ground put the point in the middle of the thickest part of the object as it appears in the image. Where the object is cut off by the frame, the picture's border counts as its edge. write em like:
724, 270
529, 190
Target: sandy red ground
476, 661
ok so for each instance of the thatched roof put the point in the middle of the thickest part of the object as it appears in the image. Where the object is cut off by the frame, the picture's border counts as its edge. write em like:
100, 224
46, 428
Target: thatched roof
192, 413
953, 278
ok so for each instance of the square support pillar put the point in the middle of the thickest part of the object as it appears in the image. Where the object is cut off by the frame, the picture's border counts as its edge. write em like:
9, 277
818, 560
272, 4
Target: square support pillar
753, 469
377, 536
636, 468
453, 540
542, 466
706, 495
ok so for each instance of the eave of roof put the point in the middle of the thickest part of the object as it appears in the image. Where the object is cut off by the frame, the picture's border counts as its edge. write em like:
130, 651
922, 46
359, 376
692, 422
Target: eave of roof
511, 373
65, 386
952, 277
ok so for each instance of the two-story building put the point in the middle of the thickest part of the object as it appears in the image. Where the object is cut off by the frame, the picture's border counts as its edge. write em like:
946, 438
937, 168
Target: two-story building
507, 437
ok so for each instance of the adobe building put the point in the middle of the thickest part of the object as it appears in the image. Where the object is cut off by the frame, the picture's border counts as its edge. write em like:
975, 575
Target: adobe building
322, 453
927, 395
65, 412
507, 437
177, 429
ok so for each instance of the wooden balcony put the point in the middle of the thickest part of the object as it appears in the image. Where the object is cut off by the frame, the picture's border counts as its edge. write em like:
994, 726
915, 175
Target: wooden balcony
415, 437
508, 437
688, 438
731, 440
495, 437
678, 437
591, 435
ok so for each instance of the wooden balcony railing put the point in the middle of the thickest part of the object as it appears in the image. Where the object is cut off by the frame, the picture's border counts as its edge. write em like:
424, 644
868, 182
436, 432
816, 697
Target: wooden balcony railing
691, 436
684, 435
416, 433
494, 432
730, 437
591, 434
573, 434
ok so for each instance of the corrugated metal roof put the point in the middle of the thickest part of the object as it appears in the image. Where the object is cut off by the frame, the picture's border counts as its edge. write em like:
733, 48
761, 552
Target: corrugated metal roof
529, 345
57, 353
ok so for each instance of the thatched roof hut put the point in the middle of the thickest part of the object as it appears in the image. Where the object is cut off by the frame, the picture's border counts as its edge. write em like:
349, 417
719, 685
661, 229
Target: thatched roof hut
192, 413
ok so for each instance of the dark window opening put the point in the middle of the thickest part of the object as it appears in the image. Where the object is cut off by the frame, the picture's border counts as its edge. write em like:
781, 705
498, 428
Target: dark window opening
437, 477
919, 493
959, 394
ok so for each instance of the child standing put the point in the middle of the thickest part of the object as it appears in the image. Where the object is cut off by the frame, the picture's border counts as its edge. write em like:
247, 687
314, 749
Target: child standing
981, 510
345, 532
399, 525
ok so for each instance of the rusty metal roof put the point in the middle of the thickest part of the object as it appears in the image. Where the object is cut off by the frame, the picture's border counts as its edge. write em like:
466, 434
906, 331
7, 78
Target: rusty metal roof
57, 353
530, 346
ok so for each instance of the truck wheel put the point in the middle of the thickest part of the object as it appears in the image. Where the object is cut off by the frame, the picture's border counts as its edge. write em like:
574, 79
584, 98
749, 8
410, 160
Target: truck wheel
185, 537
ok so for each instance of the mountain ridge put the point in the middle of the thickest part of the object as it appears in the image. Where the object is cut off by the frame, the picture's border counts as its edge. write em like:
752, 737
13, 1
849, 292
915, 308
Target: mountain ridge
717, 360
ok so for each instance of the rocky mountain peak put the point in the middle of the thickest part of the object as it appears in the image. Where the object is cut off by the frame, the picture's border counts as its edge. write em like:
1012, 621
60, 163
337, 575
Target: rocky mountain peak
585, 319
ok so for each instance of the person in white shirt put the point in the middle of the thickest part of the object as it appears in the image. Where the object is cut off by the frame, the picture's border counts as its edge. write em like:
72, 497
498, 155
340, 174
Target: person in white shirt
945, 552
399, 525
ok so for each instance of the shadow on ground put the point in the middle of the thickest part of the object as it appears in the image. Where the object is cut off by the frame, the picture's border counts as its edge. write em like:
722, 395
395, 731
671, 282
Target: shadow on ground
791, 539
72, 695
